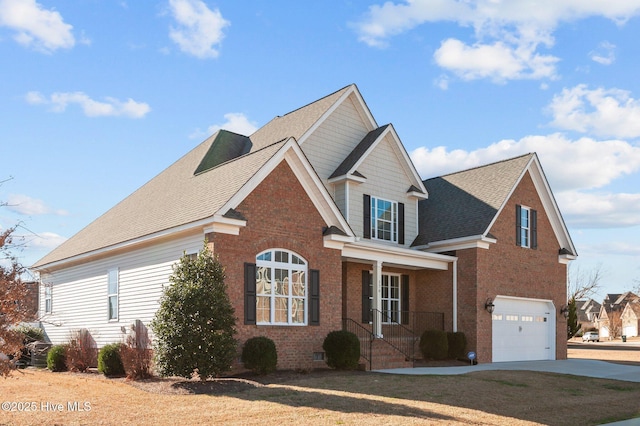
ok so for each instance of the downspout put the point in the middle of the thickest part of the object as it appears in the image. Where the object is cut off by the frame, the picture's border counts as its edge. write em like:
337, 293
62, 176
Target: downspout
455, 295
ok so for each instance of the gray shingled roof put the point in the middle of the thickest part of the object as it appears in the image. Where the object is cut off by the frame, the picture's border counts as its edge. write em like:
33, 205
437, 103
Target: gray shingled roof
194, 187
463, 204
358, 151
174, 198
296, 123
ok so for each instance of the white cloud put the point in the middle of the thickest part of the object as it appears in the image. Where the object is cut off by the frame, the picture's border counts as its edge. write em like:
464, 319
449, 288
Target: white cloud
599, 210
605, 54
36, 27
44, 240
235, 122
199, 29
91, 108
569, 165
507, 33
25, 205
604, 112
498, 61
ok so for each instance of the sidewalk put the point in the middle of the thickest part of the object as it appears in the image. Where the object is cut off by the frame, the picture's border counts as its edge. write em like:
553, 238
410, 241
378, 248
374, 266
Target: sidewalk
576, 367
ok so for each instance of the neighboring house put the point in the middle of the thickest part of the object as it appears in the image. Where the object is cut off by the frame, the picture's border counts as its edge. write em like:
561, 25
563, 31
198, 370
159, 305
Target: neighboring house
588, 311
610, 323
322, 223
631, 319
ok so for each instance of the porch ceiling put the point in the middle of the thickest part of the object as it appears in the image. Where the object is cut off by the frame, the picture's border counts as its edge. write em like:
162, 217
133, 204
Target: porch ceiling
366, 252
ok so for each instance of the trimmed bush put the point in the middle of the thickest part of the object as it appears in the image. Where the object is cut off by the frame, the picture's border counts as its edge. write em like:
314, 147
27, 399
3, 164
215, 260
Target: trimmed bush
342, 349
109, 361
457, 344
259, 355
57, 358
434, 344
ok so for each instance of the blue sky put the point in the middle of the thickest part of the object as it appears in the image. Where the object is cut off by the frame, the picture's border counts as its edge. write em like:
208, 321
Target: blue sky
97, 97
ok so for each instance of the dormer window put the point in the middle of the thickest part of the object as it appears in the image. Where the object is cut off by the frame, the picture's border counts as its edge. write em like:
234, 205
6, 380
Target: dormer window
383, 219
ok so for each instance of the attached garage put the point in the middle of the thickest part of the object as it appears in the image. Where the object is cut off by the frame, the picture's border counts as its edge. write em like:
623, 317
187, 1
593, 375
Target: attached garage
523, 329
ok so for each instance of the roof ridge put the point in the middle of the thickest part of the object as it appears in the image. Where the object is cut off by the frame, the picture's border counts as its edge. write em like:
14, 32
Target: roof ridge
317, 100
482, 166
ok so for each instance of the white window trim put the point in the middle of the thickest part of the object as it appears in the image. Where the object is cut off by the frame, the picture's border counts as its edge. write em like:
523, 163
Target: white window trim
48, 298
527, 229
290, 268
113, 273
374, 219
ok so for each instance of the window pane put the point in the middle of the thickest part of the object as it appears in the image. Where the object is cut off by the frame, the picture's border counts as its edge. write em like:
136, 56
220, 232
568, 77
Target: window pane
282, 282
265, 256
282, 311
282, 257
297, 285
263, 309
113, 307
263, 282
297, 311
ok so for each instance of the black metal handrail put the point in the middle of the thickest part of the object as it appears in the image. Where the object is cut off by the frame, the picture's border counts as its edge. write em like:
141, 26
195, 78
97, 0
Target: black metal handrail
397, 335
364, 335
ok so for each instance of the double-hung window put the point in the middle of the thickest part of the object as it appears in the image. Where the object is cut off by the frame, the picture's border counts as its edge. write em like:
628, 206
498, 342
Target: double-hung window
47, 299
113, 291
281, 288
384, 219
526, 227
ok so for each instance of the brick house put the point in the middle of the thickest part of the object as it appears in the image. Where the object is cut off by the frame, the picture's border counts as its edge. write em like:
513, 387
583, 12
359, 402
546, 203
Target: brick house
323, 223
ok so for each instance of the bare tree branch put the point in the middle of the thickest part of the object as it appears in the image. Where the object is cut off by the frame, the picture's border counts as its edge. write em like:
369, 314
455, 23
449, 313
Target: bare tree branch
584, 284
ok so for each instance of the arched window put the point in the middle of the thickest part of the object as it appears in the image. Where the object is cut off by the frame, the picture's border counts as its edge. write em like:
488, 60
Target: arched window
281, 288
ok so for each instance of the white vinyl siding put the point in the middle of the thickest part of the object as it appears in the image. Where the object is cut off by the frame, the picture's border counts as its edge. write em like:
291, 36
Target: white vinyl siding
385, 179
81, 292
334, 139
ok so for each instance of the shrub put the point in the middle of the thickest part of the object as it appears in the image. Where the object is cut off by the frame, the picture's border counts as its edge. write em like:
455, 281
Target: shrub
434, 344
195, 324
457, 344
136, 354
56, 358
342, 349
31, 334
109, 362
259, 354
81, 351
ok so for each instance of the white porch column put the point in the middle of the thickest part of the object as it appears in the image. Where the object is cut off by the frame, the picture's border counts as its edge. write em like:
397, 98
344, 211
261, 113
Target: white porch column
455, 295
377, 298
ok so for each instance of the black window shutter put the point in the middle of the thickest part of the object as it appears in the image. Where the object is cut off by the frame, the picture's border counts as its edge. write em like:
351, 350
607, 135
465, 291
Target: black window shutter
518, 224
314, 297
400, 223
405, 300
249, 293
366, 212
534, 228
366, 302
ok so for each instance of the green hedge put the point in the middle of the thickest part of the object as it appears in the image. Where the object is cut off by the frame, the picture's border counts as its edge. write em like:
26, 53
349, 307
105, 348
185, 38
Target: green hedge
57, 358
457, 344
259, 354
109, 361
342, 349
434, 344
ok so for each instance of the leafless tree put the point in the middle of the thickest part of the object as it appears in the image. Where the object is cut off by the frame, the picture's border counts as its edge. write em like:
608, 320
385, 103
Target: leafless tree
581, 283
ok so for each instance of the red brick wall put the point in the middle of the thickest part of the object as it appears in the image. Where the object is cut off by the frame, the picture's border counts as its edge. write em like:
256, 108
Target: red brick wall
280, 215
509, 270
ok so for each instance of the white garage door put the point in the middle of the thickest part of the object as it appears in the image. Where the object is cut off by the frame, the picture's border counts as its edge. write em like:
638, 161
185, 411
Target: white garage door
523, 329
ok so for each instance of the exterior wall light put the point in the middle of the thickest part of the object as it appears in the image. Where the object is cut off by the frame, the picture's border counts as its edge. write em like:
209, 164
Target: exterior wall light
564, 311
489, 306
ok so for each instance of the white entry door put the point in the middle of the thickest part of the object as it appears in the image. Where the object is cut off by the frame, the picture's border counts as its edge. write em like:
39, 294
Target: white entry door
523, 329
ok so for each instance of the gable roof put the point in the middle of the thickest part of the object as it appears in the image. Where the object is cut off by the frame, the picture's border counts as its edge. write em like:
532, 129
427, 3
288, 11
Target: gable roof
298, 123
466, 204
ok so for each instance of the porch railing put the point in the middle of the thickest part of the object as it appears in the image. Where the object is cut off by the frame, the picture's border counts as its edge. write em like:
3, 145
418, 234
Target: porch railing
364, 335
400, 337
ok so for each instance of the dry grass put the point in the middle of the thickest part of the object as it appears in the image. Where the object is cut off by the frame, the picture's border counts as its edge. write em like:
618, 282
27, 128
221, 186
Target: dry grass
328, 397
